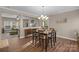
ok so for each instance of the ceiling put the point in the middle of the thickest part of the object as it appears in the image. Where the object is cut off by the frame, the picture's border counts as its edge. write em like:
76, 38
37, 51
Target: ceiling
47, 10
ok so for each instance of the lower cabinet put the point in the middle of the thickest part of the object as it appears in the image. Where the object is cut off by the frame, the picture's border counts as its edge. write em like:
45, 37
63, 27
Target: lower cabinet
28, 32
78, 41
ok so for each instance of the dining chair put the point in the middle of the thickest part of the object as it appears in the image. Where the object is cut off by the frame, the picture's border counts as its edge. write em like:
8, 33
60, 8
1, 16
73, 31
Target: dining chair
40, 35
52, 37
42, 40
35, 36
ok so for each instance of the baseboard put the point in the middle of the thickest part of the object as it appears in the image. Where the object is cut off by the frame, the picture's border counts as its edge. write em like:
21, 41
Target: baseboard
59, 37
66, 38
22, 37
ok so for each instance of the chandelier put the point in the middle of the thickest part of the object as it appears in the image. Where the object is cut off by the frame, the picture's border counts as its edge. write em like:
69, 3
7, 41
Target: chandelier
43, 17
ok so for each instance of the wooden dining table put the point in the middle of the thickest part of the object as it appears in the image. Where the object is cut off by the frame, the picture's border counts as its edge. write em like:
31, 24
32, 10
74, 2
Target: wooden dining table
46, 32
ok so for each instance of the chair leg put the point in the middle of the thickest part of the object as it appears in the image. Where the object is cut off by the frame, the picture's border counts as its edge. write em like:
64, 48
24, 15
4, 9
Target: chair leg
55, 37
54, 41
51, 43
42, 44
33, 40
48, 42
39, 42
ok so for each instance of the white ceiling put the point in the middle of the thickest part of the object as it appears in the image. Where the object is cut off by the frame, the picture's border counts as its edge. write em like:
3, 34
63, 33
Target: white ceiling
48, 10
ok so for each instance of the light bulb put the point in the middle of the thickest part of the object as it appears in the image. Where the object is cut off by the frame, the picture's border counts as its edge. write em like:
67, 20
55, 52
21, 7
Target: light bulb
46, 18
38, 17
42, 16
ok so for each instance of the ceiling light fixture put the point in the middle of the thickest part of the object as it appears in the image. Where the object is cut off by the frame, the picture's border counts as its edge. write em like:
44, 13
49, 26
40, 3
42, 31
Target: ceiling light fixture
43, 17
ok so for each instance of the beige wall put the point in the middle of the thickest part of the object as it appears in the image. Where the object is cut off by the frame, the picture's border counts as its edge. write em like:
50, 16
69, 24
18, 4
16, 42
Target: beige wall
0, 26
66, 29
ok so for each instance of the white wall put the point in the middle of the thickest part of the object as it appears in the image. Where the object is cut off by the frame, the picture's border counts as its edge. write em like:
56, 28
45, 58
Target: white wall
66, 29
0, 26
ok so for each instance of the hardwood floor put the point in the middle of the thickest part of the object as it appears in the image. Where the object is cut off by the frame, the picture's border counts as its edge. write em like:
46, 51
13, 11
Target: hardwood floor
15, 44
26, 45
62, 45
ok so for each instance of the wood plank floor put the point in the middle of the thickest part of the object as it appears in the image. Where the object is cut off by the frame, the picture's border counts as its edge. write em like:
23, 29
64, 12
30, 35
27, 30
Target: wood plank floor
62, 45
19, 45
15, 44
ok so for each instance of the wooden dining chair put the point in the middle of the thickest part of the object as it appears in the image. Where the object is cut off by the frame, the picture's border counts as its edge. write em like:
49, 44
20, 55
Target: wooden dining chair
35, 36
52, 37
40, 35
42, 38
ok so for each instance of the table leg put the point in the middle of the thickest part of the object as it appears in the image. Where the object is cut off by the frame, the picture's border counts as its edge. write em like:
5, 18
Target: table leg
46, 43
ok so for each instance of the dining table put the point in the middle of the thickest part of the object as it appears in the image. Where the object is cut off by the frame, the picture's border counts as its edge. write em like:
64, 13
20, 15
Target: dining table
46, 33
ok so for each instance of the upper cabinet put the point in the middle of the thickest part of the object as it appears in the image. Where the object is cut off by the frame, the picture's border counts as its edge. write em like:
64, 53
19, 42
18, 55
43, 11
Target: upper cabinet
25, 23
31, 22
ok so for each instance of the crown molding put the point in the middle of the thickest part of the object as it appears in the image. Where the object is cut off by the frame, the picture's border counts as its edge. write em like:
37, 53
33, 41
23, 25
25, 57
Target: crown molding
16, 12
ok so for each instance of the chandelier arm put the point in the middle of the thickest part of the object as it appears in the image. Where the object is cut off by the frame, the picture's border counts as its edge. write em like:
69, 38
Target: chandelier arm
43, 17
